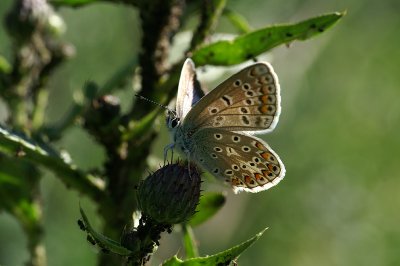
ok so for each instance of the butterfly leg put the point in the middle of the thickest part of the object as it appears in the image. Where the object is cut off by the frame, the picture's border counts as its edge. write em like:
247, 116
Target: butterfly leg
166, 148
188, 160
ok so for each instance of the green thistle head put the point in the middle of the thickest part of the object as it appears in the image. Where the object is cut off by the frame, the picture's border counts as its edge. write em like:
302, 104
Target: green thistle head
171, 194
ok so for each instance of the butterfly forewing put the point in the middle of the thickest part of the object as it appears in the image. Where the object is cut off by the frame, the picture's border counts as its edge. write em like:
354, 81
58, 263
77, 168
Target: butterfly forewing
189, 91
244, 161
247, 101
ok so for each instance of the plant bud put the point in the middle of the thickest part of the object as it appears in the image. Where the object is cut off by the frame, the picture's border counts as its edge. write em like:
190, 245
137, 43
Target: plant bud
171, 194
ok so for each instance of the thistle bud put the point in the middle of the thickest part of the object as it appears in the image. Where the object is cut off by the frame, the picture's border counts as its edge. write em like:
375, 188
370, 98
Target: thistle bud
171, 194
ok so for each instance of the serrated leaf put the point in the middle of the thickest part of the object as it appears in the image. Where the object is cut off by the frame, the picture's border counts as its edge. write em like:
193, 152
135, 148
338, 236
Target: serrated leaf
222, 258
19, 146
103, 241
250, 45
210, 203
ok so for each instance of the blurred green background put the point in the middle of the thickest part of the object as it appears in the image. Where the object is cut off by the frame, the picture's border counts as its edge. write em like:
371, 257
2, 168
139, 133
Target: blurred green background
338, 137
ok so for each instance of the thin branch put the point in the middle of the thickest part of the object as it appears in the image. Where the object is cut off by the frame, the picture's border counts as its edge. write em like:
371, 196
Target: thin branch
157, 37
237, 20
210, 13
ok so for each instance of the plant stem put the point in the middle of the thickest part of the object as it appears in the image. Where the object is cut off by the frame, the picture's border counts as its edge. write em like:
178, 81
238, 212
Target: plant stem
34, 231
189, 242
210, 12
40, 105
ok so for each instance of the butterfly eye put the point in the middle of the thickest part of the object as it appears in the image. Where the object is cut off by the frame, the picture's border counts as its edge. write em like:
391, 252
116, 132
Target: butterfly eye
174, 122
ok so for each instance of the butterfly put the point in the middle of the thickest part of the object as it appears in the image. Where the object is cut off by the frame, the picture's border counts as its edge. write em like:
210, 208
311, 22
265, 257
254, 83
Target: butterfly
216, 130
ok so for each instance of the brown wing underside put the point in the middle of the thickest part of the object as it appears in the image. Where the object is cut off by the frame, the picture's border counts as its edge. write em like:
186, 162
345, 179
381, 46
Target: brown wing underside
247, 101
246, 162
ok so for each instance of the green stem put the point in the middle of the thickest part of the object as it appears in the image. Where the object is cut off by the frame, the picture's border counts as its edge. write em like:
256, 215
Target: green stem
210, 13
20, 114
189, 242
28, 211
237, 20
32, 225
136, 129
40, 105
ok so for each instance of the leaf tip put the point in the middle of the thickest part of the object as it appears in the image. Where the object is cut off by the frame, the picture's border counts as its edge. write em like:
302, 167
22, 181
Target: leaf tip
262, 232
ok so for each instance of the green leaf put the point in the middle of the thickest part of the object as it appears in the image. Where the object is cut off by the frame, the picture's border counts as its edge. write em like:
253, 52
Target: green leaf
222, 258
210, 203
20, 147
103, 241
250, 45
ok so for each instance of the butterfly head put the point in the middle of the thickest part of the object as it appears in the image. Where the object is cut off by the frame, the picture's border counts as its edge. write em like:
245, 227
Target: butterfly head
173, 121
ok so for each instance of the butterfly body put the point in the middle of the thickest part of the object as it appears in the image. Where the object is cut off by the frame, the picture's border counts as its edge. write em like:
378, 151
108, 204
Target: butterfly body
217, 130
182, 140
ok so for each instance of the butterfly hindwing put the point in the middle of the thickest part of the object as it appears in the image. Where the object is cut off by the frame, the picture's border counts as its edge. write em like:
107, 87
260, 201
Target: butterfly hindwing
244, 161
247, 101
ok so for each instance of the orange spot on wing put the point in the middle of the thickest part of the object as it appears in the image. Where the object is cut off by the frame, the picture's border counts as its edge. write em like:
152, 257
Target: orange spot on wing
235, 181
259, 146
265, 155
264, 109
267, 89
247, 179
258, 176
264, 99
266, 173
270, 167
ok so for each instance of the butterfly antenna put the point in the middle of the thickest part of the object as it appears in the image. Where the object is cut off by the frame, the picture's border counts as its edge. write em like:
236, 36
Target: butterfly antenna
156, 103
